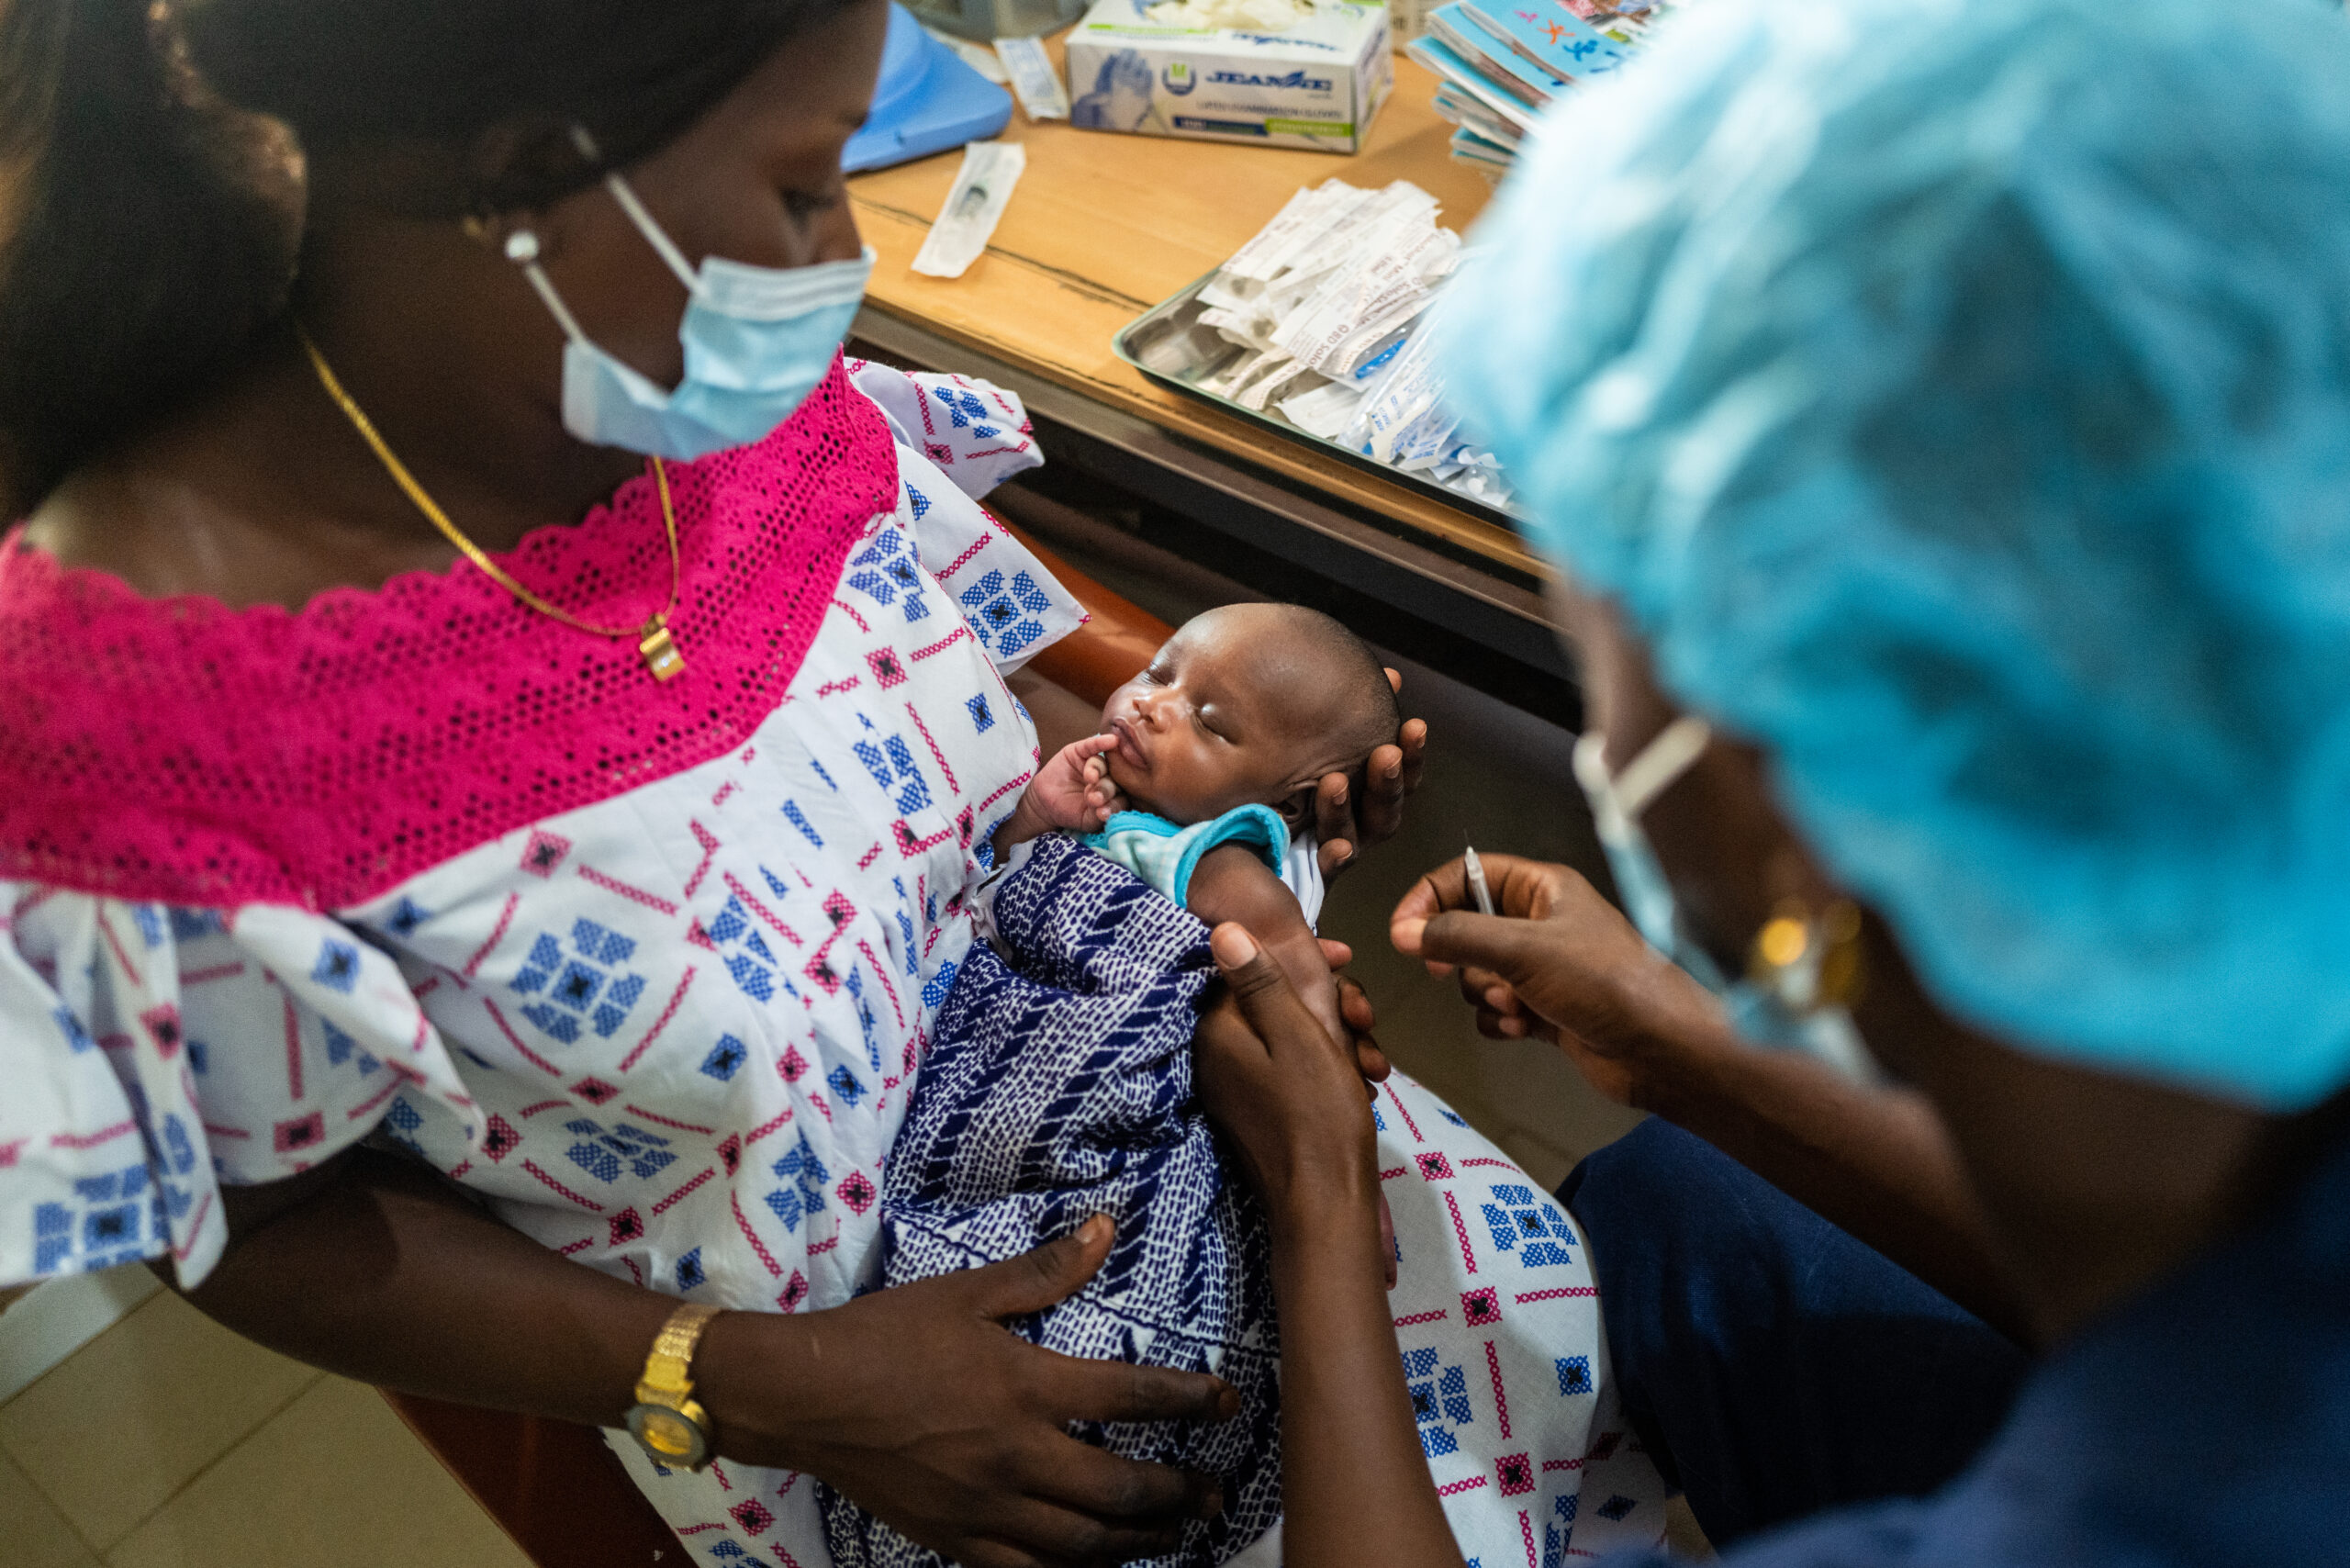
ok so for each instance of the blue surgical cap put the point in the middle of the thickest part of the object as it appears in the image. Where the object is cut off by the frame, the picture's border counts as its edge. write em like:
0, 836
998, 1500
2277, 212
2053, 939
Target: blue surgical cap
1957, 395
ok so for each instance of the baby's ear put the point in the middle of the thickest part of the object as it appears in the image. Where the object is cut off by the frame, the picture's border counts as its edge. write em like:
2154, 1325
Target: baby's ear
1297, 812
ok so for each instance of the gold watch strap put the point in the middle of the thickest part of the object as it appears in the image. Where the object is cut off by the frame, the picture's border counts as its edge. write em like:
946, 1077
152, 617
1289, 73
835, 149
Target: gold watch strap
666, 1378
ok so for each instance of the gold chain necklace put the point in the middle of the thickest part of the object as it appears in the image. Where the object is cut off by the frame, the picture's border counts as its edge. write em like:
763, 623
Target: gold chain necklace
658, 649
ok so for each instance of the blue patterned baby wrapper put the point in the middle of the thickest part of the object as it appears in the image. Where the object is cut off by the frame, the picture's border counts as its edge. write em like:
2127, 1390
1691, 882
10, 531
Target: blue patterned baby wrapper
1059, 1086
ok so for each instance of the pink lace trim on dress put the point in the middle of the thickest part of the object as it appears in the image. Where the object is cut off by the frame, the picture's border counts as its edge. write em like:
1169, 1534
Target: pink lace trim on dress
181, 751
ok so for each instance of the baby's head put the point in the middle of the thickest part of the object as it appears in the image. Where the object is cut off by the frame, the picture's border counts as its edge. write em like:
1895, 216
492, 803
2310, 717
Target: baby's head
1247, 704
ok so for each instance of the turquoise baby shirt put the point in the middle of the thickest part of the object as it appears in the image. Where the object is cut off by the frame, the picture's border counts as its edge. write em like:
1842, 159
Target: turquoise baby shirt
1163, 853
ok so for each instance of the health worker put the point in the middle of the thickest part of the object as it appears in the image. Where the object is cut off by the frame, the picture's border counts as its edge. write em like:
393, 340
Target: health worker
1940, 412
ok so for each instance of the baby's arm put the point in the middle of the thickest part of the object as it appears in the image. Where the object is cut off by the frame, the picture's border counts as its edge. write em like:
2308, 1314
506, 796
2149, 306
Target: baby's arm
1233, 882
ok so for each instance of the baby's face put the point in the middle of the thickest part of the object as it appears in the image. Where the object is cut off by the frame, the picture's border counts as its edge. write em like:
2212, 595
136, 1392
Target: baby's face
1230, 714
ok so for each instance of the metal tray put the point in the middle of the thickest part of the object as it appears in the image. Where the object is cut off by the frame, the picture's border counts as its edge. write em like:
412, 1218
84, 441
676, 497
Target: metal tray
1168, 344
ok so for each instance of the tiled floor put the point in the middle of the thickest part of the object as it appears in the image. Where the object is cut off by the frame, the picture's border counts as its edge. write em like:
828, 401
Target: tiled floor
169, 1442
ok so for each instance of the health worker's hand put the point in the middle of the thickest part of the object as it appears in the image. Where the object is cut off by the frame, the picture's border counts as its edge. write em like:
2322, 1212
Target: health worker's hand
1559, 962
1356, 1012
920, 1405
1344, 825
1288, 1097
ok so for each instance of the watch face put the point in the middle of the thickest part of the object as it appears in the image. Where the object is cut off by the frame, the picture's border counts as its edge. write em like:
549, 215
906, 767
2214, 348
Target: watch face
668, 1437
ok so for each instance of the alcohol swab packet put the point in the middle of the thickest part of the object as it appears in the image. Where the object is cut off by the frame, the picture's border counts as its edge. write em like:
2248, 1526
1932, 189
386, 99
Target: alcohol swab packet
982, 187
1034, 81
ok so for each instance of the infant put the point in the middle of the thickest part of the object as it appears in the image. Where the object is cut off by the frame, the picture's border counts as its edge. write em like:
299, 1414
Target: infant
1057, 1085
1206, 770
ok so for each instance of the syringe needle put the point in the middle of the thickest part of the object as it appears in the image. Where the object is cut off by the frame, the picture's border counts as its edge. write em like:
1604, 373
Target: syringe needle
1477, 887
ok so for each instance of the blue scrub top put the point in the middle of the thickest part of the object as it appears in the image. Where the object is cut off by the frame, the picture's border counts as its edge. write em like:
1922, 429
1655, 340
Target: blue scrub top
2204, 1425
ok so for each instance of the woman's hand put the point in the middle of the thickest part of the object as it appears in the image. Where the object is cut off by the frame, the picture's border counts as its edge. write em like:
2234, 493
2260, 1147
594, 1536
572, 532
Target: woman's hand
920, 1405
1344, 825
1288, 1096
1558, 961
1357, 1017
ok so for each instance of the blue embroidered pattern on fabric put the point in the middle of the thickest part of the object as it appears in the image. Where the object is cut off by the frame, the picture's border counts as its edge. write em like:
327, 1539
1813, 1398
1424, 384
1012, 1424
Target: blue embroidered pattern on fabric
1060, 1086
1439, 1399
1516, 1215
726, 1059
748, 959
1003, 615
579, 986
966, 408
338, 967
885, 569
893, 767
108, 1225
1555, 1537
69, 1024
603, 1154
804, 1194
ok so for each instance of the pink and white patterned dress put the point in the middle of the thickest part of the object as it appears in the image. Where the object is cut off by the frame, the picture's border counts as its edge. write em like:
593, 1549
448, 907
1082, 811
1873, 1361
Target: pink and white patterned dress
648, 966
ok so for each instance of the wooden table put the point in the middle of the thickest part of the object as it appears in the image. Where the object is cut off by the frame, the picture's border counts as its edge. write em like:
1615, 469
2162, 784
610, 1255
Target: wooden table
1105, 226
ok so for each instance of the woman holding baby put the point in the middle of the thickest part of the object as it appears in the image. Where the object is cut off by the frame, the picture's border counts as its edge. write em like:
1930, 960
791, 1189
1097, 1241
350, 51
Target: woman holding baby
1941, 414
502, 733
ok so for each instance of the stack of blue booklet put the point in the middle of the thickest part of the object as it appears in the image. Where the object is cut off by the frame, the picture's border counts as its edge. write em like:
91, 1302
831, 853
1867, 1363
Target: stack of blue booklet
1503, 62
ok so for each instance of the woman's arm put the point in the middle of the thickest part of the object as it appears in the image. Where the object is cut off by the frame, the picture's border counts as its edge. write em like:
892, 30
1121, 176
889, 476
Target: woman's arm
915, 1402
1560, 962
1355, 1485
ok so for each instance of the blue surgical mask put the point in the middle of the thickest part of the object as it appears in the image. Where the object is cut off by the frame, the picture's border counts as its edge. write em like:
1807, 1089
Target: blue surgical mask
1765, 1016
757, 341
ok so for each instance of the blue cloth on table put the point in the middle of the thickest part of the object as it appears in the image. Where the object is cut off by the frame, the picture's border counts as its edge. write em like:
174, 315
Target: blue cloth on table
1059, 1086
2204, 1424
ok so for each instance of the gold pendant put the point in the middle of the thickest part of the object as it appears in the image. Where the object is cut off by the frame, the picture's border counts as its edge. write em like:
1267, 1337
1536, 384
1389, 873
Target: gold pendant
660, 651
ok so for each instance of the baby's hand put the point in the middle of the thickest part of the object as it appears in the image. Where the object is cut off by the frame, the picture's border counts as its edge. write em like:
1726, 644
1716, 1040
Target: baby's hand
1072, 790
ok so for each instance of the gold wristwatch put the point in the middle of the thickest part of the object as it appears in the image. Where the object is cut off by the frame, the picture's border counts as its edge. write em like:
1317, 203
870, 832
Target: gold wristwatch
666, 1421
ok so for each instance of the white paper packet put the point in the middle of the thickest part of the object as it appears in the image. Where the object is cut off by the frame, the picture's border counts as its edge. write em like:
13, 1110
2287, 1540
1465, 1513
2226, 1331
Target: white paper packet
982, 187
1034, 81
1323, 412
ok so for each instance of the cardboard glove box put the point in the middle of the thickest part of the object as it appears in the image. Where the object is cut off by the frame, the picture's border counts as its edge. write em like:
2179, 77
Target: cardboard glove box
1315, 84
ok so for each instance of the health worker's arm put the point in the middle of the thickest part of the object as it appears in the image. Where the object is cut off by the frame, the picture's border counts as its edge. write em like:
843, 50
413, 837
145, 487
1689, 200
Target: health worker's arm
1231, 884
1559, 962
916, 1401
1355, 1487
